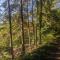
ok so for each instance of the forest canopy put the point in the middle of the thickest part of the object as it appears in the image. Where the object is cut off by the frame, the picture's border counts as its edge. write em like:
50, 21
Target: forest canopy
26, 25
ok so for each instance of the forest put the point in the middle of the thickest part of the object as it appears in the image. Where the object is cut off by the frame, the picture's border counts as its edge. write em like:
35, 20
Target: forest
29, 29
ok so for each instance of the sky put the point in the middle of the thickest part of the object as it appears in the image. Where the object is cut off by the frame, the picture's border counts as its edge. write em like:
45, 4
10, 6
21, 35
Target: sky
1, 1
57, 5
1, 9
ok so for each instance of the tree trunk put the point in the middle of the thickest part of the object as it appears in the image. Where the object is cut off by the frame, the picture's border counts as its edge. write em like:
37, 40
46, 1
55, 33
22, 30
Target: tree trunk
23, 41
11, 40
40, 22
28, 24
33, 23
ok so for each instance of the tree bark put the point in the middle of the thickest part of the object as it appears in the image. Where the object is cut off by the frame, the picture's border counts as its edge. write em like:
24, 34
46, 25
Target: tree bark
23, 41
40, 22
10, 23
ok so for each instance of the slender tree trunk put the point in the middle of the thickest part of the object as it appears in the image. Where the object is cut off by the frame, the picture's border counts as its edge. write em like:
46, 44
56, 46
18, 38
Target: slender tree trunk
33, 23
48, 11
28, 25
40, 22
36, 22
23, 41
10, 23
36, 35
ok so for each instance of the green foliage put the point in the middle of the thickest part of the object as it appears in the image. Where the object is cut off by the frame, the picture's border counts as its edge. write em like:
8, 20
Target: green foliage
50, 29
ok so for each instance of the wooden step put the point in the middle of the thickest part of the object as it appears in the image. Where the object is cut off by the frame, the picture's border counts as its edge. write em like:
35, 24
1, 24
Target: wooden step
54, 54
55, 43
53, 58
58, 48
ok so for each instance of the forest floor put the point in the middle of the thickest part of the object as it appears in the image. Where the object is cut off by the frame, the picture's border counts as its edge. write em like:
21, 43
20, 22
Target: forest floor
48, 52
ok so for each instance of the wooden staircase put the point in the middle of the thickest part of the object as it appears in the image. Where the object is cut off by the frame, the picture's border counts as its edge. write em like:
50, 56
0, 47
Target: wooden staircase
54, 53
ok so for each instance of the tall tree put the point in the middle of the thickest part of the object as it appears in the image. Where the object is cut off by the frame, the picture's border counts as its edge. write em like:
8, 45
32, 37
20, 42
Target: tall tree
11, 40
40, 20
28, 23
23, 41
33, 21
